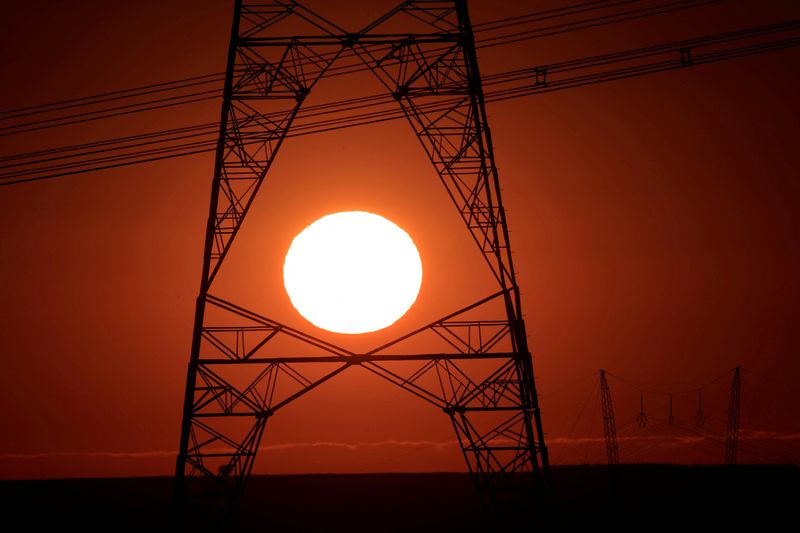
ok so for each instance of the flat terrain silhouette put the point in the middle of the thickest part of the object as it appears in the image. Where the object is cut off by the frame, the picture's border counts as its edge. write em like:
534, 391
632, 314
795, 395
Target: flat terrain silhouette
627, 497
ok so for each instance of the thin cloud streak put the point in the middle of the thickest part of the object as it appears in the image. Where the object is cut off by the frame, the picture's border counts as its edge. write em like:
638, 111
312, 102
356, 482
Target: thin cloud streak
436, 445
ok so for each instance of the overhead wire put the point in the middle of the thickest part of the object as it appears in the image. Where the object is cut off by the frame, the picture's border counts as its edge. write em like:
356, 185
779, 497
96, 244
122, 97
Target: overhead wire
377, 117
332, 72
106, 142
112, 95
220, 76
113, 112
548, 14
331, 109
665, 392
595, 22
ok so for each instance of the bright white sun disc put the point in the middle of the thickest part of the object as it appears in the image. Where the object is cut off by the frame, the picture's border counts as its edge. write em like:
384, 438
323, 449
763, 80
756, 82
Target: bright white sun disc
352, 272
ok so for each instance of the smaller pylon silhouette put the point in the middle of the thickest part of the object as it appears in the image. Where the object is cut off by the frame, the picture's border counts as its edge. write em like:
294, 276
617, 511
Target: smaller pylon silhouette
700, 417
670, 418
641, 418
609, 424
732, 434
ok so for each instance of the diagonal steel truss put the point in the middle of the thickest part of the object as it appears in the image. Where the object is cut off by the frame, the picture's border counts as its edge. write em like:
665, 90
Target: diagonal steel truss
478, 371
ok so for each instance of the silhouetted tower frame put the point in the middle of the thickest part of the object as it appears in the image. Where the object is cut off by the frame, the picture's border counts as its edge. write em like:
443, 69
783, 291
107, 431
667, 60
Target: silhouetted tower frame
734, 406
482, 377
670, 416
609, 422
641, 418
700, 416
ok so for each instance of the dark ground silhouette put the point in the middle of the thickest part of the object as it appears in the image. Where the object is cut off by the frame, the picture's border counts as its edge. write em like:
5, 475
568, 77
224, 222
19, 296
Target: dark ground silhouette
628, 497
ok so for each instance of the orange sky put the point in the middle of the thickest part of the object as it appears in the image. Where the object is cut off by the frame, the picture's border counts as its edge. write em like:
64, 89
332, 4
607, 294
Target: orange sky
654, 222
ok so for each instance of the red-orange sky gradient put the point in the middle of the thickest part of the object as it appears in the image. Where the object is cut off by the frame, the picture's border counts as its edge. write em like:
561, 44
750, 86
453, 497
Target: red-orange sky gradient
655, 223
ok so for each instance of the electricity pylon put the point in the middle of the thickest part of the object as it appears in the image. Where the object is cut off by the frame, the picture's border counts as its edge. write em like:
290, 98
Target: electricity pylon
478, 371
609, 422
734, 405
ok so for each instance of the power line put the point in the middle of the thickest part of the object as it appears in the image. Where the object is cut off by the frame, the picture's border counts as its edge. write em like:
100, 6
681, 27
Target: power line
663, 392
332, 72
112, 112
339, 114
107, 142
548, 14
112, 95
596, 22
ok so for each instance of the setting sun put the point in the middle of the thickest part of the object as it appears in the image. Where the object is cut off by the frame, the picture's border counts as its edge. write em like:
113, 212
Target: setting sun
352, 272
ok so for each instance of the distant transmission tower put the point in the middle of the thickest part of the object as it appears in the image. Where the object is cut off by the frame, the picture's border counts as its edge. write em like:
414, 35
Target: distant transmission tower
478, 372
700, 416
609, 423
641, 418
732, 433
671, 417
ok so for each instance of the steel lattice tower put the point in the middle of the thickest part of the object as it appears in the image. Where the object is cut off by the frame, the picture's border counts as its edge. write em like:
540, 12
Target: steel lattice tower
732, 432
609, 422
481, 372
